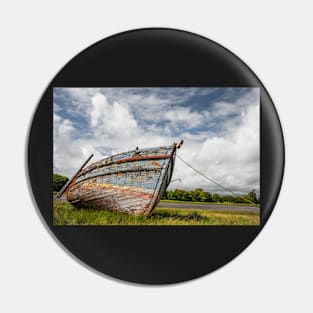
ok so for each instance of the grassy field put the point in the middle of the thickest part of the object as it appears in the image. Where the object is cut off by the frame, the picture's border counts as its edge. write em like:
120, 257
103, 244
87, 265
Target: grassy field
65, 214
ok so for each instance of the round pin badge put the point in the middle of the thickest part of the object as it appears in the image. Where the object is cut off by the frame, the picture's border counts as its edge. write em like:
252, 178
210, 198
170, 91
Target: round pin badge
155, 156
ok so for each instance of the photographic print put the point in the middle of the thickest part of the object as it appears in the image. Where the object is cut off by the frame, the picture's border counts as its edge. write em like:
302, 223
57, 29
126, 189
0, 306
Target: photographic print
156, 156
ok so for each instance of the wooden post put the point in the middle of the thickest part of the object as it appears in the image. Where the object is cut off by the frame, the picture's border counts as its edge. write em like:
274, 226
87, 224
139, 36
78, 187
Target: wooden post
60, 193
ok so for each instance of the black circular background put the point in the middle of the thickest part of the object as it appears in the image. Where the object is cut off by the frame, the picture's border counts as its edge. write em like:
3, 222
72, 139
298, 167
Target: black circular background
155, 58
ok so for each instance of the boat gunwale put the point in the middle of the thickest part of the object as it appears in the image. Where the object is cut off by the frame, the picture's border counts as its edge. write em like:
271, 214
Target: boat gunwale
131, 159
127, 152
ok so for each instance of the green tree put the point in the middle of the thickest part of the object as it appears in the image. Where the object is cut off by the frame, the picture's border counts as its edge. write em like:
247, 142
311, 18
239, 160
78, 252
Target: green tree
188, 196
216, 197
171, 195
227, 199
58, 181
206, 196
238, 199
165, 195
196, 194
252, 196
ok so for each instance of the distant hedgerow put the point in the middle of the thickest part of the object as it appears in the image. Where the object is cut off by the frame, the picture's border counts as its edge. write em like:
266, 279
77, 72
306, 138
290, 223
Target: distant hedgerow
58, 181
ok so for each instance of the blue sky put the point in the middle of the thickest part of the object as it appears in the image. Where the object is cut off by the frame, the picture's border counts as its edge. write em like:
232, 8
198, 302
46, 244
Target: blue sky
220, 127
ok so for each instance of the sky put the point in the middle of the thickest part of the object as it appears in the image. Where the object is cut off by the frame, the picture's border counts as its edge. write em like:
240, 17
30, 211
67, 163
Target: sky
219, 126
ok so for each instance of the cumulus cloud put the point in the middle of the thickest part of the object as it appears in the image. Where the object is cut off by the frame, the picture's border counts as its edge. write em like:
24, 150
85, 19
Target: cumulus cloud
232, 159
112, 119
220, 127
185, 117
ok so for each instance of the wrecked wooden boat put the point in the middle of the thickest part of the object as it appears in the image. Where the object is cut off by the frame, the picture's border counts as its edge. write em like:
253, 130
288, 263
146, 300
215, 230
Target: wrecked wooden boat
131, 182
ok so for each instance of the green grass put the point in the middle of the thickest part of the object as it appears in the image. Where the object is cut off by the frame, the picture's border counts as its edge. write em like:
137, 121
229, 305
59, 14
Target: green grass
65, 214
215, 203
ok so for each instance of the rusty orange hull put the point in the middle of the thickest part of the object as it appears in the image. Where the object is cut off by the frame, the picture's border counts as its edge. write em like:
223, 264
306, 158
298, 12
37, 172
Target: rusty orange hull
132, 182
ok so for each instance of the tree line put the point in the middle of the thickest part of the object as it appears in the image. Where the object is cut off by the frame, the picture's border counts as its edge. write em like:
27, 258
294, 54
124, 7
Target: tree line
199, 195
58, 181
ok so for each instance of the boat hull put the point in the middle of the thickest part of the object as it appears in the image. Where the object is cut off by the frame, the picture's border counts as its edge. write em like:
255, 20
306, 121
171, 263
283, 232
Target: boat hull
132, 182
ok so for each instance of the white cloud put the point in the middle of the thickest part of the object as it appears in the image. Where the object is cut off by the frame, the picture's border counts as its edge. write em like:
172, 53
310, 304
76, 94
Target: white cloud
112, 119
185, 117
56, 107
233, 159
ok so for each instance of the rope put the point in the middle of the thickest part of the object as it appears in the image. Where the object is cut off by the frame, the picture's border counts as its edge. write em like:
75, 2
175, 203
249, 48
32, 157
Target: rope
214, 181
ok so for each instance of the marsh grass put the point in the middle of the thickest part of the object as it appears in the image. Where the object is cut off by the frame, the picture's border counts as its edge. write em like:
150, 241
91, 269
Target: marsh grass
65, 214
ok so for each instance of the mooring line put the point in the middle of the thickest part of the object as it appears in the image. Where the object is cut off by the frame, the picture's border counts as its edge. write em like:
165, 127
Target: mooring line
214, 181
